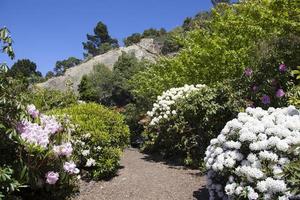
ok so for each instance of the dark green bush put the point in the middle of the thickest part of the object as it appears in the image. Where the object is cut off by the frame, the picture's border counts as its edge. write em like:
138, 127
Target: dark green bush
199, 118
101, 133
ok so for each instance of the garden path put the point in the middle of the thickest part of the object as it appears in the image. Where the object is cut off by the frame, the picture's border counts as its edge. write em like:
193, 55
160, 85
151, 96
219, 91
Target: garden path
143, 177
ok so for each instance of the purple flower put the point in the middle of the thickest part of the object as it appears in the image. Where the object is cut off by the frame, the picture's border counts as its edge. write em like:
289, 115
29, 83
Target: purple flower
63, 150
52, 177
282, 68
50, 124
280, 93
70, 167
266, 99
248, 72
33, 133
32, 111
254, 88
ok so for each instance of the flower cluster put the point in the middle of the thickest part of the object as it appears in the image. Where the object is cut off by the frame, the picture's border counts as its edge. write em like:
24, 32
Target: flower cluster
46, 132
247, 158
267, 89
162, 108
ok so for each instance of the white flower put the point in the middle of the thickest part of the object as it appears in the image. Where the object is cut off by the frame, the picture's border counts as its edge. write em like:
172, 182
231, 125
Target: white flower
85, 152
90, 162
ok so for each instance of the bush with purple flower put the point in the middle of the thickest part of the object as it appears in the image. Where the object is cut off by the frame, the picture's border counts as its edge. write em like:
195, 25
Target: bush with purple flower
45, 148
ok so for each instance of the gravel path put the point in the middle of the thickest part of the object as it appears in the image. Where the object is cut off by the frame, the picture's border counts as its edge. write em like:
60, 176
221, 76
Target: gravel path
142, 177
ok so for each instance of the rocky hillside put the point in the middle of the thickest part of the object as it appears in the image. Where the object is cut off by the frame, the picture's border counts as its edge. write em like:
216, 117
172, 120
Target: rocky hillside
146, 49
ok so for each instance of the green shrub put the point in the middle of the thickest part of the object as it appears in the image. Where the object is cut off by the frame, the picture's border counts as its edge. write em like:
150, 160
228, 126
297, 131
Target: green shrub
223, 48
47, 99
198, 117
100, 137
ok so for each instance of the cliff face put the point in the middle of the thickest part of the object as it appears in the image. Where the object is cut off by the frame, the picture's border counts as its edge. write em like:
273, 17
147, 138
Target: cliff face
146, 49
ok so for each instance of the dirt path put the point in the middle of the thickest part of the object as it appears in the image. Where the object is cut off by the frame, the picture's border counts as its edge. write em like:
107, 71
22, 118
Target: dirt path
142, 178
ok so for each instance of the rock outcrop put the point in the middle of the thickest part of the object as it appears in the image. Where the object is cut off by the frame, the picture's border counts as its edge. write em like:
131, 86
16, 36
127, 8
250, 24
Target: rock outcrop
146, 49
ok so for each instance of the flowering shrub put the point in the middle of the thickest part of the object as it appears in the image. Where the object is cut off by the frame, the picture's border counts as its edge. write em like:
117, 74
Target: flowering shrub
46, 151
99, 139
246, 160
266, 86
162, 107
184, 120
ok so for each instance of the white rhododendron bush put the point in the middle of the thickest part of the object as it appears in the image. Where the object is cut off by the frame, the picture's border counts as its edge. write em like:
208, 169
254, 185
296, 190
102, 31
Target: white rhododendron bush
246, 160
162, 108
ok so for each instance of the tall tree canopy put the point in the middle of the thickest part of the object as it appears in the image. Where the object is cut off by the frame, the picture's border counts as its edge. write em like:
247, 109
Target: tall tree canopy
100, 42
62, 66
24, 68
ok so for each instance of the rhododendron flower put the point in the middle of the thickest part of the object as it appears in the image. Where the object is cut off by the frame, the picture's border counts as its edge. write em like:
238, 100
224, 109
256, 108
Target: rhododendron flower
33, 133
70, 167
247, 159
280, 93
32, 111
63, 150
52, 177
248, 72
50, 124
282, 68
162, 107
265, 99
90, 162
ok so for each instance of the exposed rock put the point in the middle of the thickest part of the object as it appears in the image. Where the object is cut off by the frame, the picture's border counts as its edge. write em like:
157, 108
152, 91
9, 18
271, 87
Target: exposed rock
146, 49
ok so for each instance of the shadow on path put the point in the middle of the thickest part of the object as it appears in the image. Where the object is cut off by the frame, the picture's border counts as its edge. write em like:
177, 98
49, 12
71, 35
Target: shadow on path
201, 194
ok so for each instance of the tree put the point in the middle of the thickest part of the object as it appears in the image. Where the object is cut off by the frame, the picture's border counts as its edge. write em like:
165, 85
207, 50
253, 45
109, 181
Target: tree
62, 66
216, 2
126, 66
25, 70
133, 39
97, 86
100, 42
49, 75
153, 33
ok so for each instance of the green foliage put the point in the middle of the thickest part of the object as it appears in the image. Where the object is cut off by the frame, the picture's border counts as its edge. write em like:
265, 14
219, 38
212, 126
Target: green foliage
200, 117
111, 87
296, 72
133, 39
126, 66
62, 66
7, 183
97, 86
102, 132
6, 40
49, 75
25, 70
100, 42
47, 99
223, 49
294, 96
291, 173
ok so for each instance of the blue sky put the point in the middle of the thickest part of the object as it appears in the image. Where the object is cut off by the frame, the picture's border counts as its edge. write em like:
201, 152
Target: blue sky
45, 31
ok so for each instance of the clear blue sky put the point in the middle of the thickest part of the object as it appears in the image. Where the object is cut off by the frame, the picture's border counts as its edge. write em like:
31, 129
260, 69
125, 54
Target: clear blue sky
45, 31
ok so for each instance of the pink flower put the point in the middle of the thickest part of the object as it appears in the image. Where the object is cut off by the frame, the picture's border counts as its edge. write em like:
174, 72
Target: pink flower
50, 124
31, 109
266, 99
52, 177
63, 150
248, 72
33, 133
280, 93
254, 88
282, 68
70, 167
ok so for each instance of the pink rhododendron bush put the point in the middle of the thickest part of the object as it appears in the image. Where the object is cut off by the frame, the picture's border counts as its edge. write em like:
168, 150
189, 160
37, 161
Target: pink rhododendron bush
46, 153
247, 159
